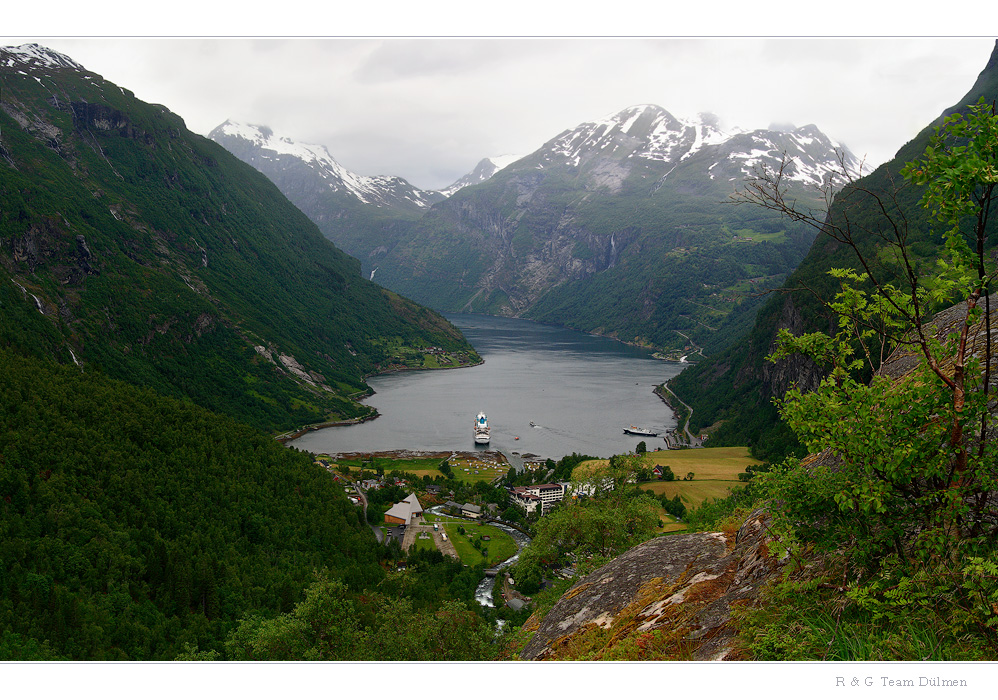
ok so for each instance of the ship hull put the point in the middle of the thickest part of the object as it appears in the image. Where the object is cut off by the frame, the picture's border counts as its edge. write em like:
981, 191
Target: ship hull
640, 431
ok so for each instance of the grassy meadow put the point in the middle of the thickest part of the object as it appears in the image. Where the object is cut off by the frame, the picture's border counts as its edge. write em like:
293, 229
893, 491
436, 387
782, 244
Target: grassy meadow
715, 471
500, 547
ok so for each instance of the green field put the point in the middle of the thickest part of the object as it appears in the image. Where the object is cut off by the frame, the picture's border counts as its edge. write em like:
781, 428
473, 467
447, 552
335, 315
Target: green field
444, 361
473, 470
715, 472
466, 469
410, 464
422, 543
500, 548
669, 523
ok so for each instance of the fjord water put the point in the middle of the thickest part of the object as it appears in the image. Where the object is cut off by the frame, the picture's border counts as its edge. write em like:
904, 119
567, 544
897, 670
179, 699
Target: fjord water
580, 390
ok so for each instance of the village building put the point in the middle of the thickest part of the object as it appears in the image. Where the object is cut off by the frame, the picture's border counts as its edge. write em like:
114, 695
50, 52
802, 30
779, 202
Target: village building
521, 497
550, 493
542, 496
470, 510
405, 512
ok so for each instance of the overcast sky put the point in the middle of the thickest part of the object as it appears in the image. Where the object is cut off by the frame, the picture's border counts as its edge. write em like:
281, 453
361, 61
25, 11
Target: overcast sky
428, 109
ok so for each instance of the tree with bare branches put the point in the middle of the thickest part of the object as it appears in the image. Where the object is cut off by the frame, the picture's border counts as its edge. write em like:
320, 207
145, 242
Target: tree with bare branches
912, 459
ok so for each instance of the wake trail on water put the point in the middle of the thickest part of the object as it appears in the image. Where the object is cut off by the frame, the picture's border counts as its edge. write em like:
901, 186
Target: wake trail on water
574, 437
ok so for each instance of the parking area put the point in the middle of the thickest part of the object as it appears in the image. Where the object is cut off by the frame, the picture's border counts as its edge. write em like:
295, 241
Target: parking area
395, 532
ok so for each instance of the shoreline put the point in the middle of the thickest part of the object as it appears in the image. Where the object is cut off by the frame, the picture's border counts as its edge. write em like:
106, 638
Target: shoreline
286, 437
663, 392
419, 454
398, 370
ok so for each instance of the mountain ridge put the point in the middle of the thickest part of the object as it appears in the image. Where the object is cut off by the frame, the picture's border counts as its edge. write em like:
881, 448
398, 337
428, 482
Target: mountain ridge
378, 191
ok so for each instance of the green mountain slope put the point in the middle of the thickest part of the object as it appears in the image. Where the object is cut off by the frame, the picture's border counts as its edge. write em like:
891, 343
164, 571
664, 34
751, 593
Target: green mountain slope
735, 389
155, 255
359, 214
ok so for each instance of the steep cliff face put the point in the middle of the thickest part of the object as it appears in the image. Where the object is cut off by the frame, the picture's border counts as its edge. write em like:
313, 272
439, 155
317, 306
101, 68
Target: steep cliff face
795, 371
670, 598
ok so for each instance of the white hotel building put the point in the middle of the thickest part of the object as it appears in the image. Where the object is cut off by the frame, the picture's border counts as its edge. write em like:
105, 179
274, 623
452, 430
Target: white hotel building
542, 496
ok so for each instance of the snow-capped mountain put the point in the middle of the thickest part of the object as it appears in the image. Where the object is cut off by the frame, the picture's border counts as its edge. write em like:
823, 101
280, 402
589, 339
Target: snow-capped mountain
486, 168
361, 214
36, 57
280, 157
618, 226
651, 134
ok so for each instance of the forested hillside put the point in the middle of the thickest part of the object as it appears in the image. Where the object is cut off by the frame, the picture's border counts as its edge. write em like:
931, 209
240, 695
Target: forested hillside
133, 523
137, 526
163, 310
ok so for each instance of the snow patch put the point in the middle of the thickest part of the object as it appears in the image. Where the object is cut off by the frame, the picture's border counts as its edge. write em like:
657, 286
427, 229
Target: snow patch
667, 138
37, 56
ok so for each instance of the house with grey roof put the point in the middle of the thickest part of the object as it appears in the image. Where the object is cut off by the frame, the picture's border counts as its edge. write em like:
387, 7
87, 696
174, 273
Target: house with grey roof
404, 512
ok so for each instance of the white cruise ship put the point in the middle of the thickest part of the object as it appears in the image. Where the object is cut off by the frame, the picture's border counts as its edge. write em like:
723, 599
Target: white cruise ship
481, 429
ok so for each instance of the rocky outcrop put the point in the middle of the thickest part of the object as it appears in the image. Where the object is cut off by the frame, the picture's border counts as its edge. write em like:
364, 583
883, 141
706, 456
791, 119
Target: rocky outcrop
669, 598
795, 371
47, 242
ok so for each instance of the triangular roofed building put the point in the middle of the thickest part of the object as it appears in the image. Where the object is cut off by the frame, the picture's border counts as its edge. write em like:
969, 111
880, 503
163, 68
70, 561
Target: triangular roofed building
403, 512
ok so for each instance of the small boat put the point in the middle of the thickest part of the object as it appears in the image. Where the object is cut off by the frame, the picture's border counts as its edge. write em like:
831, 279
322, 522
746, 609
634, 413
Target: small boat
643, 432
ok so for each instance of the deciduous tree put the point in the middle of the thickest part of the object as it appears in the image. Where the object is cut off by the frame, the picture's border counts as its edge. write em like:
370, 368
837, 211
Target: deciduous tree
914, 458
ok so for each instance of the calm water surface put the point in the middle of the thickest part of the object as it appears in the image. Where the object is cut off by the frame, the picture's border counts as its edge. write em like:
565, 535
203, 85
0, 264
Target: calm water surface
580, 390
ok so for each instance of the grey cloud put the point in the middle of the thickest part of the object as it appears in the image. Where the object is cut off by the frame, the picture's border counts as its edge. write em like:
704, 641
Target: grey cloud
425, 108
401, 59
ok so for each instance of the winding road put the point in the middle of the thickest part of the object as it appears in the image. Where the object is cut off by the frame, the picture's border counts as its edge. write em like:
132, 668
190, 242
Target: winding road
694, 440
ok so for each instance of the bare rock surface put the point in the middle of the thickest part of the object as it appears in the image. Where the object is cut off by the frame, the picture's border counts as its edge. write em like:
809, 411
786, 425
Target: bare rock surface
669, 598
